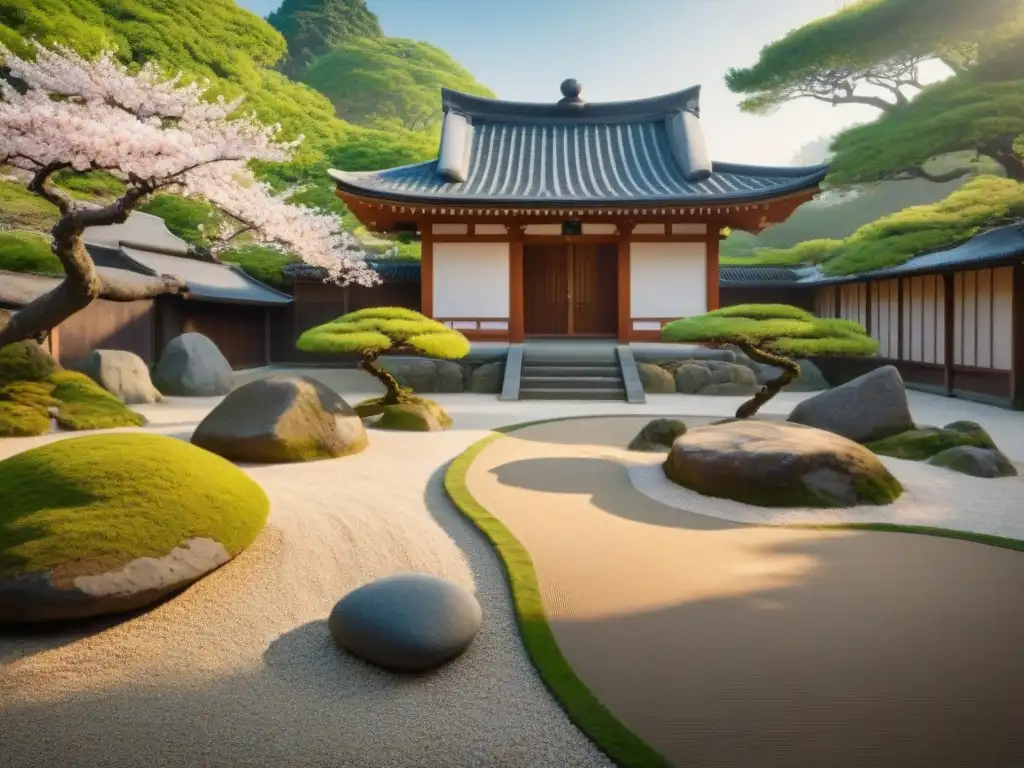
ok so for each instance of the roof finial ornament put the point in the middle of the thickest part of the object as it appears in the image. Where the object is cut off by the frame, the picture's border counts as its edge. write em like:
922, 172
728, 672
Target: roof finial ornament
571, 90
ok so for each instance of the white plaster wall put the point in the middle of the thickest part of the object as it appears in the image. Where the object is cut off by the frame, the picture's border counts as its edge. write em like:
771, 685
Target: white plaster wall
449, 229
667, 280
471, 280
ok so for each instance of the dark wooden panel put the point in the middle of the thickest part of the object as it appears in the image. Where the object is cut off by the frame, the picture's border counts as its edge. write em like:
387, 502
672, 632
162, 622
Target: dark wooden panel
127, 325
240, 332
546, 289
594, 289
767, 294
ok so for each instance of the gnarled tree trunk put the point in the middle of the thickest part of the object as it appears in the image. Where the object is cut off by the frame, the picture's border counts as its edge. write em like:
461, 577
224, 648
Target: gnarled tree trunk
393, 396
790, 371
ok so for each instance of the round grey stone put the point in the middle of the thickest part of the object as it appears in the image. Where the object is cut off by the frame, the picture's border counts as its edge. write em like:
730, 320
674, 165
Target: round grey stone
409, 622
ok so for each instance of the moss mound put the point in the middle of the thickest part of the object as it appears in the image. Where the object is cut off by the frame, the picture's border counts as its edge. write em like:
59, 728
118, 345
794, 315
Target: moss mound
94, 503
409, 417
31, 380
25, 361
22, 421
924, 442
374, 407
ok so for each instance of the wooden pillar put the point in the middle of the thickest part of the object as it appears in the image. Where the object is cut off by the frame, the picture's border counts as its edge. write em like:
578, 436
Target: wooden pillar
516, 327
266, 335
54, 343
1017, 339
948, 330
624, 326
899, 318
713, 239
868, 324
427, 270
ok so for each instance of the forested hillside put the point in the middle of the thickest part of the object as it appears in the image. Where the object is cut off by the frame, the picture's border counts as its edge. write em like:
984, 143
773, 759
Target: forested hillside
383, 108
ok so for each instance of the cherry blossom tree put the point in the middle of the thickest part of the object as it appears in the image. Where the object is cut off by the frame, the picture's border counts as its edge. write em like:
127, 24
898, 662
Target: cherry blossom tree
62, 112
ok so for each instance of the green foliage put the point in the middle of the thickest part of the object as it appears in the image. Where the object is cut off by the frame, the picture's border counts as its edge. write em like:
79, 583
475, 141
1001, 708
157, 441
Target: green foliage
777, 328
17, 420
312, 27
980, 204
389, 82
22, 209
106, 500
25, 361
28, 252
954, 115
84, 404
807, 252
185, 217
261, 262
31, 394
384, 329
869, 38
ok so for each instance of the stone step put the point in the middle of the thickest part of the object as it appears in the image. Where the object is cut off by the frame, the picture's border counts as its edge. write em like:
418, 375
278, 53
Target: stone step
572, 394
570, 382
546, 369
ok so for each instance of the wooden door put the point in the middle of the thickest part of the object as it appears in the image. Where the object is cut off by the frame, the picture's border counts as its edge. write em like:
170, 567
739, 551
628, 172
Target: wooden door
546, 290
594, 295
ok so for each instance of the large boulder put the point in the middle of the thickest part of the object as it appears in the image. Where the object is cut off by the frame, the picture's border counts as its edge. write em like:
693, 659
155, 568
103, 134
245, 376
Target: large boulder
774, 464
121, 373
192, 366
714, 377
655, 379
421, 374
279, 419
871, 407
658, 435
409, 622
121, 521
975, 461
487, 379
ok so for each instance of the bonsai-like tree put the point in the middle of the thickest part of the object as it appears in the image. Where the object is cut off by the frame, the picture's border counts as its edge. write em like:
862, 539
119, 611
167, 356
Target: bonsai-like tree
772, 334
385, 330
62, 113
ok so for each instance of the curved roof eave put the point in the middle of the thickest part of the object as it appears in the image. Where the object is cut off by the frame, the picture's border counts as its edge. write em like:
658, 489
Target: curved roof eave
655, 106
354, 183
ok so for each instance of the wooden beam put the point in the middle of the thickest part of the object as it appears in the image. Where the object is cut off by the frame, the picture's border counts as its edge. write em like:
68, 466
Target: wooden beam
624, 326
711, 268
948, 320
516, 297
1017, 342
427, 273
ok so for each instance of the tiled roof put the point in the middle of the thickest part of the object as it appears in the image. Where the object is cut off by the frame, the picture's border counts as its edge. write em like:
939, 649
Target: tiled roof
541, 154
390, 271
19, 288
754, 275
207, 281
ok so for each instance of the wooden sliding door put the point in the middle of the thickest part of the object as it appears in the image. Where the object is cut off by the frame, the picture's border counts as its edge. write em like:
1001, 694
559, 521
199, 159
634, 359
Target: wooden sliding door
570, 290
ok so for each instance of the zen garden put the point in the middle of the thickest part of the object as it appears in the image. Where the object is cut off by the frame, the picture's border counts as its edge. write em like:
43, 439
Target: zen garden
353, 416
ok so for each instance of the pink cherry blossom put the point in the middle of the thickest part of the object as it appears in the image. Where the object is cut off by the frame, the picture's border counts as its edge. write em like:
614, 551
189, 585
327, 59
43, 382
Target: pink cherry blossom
157, 133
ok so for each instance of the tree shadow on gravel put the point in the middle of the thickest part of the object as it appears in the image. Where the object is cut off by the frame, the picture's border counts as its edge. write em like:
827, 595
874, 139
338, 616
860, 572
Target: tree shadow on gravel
607, 481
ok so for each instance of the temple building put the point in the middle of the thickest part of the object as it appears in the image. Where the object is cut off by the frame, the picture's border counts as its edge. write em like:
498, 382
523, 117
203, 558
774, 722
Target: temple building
571, 218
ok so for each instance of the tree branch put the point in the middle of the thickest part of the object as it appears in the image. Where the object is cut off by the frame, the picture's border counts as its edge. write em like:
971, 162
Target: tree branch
115, 289
42, 186
937, 178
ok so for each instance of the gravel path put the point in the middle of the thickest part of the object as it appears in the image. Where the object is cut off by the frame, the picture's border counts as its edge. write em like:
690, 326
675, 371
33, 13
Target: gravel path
239, 670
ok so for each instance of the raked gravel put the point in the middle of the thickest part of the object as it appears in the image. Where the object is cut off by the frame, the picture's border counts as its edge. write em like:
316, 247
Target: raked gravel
240, 669
932, 496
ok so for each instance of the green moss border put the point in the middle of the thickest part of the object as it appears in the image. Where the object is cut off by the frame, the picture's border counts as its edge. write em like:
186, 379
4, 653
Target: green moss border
584, 709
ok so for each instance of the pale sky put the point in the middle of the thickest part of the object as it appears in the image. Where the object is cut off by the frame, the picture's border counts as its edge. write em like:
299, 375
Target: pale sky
628, 49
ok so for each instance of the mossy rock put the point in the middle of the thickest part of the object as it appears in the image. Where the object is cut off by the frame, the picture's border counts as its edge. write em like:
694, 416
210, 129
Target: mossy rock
655, 379
975, 461
658, 435
18, 420
410, 417
26, 361
80, 514
924, 442
374, 406
84, 404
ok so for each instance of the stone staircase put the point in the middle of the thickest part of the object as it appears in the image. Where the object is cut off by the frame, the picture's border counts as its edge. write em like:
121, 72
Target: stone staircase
571, 371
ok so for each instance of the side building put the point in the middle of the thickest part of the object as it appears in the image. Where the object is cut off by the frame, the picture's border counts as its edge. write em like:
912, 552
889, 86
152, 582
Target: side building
571, 219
